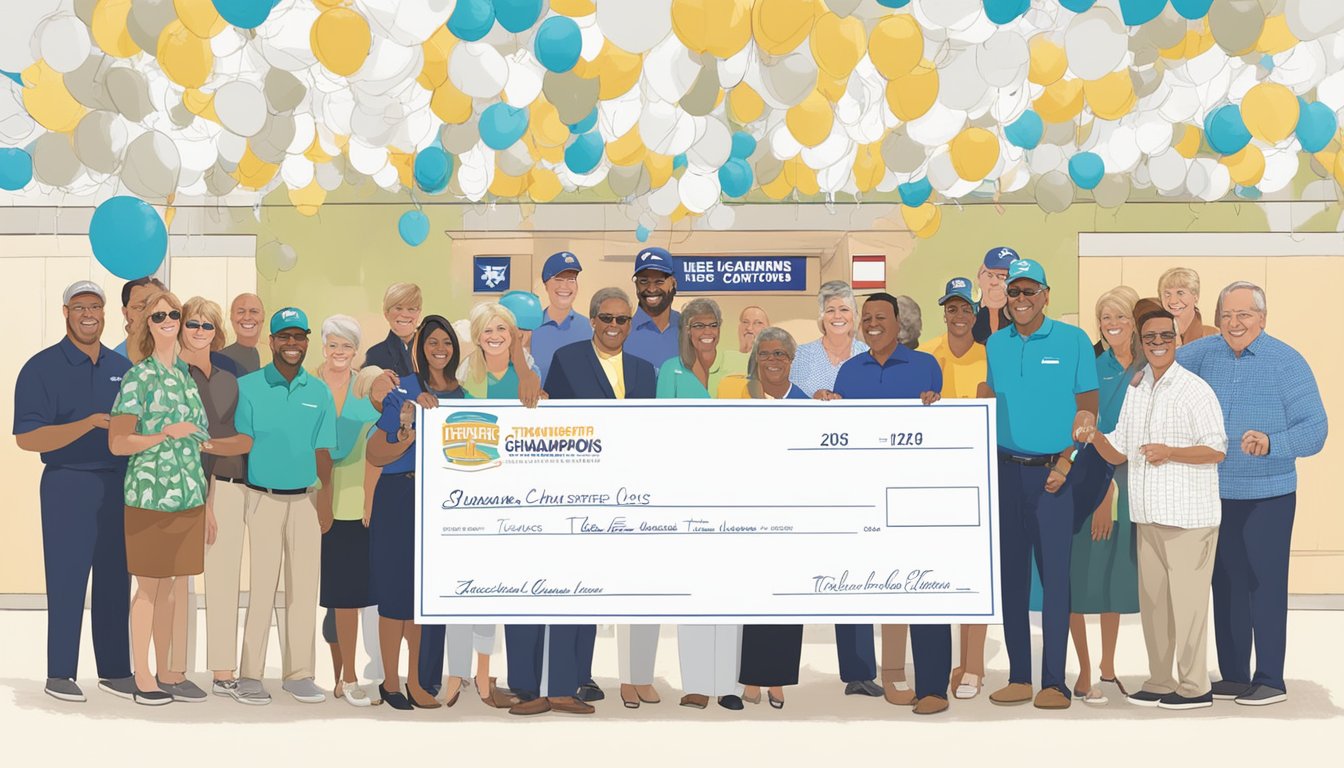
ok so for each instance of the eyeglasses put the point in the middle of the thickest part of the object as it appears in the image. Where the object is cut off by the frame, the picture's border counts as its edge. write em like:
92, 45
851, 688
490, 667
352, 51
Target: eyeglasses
778, 354
291, 336
196, 325
86, 309
703, 326
1028, 292
574, 280
609, 318
159, 317
1152, 338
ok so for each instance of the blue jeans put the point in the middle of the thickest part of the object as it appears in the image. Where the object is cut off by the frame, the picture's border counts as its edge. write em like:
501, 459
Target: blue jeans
1250, 588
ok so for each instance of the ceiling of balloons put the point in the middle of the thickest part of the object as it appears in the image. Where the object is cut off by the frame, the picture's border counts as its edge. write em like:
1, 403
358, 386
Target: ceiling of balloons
675, 107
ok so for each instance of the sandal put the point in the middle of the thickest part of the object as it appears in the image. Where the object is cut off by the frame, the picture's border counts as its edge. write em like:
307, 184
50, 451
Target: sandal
1093, 696
629, 697
752, 699
1119, 685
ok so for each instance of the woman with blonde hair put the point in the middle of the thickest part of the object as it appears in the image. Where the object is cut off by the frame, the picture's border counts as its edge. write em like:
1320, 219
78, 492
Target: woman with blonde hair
1178, 290
818, 362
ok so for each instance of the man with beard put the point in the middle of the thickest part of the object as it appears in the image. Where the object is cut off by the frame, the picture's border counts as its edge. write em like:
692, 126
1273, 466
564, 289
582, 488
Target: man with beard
560, 324
133, 295
291, 419
246, 315
61, 403
1044, 375
654, 336
993, 315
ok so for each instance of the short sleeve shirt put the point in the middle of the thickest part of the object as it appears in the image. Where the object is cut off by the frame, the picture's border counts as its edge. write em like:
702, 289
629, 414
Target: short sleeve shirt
61, 385
219, 396
812, 369
166, 477
649, 343
248, 359
288, 421
1036, 380
676, 380
550, 336
962, 376
347, 472
906, 374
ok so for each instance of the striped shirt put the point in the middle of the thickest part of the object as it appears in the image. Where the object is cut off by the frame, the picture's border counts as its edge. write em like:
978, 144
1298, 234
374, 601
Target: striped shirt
1179, 411
812, 369
1271, 389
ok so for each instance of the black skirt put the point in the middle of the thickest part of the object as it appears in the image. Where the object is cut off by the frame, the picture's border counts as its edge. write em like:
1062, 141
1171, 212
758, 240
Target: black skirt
392, 546
771, 654
345, 565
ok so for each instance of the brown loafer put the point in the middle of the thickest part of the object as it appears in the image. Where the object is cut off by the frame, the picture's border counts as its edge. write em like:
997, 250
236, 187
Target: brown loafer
1011, 694
1051, 698
534, 707
498, 699
893, 696
647, 694
930, 705
570, 705
696, 700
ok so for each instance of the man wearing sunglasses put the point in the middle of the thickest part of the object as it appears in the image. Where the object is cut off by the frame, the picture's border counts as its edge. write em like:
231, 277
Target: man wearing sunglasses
1044, 376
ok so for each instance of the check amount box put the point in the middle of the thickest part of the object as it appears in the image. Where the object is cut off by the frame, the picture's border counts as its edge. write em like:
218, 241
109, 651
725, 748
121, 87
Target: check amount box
933, 507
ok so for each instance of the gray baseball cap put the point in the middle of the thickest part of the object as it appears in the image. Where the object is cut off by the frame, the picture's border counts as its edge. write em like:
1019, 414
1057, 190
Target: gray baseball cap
82, 286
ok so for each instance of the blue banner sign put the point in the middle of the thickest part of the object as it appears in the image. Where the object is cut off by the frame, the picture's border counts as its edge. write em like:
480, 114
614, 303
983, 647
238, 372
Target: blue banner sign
714, 274
490, 274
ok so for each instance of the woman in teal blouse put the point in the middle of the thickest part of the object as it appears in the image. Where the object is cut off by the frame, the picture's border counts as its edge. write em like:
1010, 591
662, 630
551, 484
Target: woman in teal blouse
698, 369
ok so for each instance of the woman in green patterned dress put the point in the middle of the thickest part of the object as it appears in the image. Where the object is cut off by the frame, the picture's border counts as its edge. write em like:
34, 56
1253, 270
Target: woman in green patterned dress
158, 421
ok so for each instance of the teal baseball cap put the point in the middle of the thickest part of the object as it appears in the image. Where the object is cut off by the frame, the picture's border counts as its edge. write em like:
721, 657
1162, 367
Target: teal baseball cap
289, 317
1026, 269
959, 287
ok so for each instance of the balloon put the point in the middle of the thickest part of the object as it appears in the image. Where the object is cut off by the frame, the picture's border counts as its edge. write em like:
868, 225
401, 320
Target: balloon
517, 15
1236, 25
48, 101
838, 44
1003, 59
1025, 131
712, 149
735, 177
340, 39
1316, 126
241, 107
558, 43
1048, 62
109, 28
99, 140
201, 17
896, 45
1086, 169
479, 71
721, 27
413, 226
128, 237
781, 25
1310, 19
405, 23
1112, 192
911, 96
915, 193
1079, 6
974, 152
1095, 43
642, 233
54, 161
64, 43
810, 121
472, 19
635, 27
283, 91
1111, 97
744, 144
1270, 111
1004, 11
247, 14
526, 308
433, 167
584, 153
1247, 167
147, 20
16, 168
1136, 12
1192, 9
586, 124
502, 125
1054, 192
185, 58
704, 94
744, 104
789, 80
698, 191
884, 3
917, 217
1225, 130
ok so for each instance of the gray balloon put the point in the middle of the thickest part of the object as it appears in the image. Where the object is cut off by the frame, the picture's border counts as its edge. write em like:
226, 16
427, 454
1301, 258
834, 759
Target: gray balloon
130, 93
1311, 19
1145, 80
1113, 191
283, 91
843, 8
88, 82
1272, 7
152, 166
54, 160
515, 161
147, 19
459, 139
1054, 192
271, 144
84, 10
1236, 24
700, 100
1166, 30
1145, 52
902, 154
100, 140
218, 182
768, 169
180, 115
572, 95
328, 176
627, 180
1059, 134
791, 78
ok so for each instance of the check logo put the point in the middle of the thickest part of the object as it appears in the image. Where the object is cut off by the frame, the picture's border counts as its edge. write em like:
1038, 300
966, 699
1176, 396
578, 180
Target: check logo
310, 405
1049, 361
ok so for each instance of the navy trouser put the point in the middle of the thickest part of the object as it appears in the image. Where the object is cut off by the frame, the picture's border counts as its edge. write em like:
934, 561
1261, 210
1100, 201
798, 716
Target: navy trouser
523, 646
854, 647
433, 643
1030, 519
569, 657
83, 530
1250, 588
931, 645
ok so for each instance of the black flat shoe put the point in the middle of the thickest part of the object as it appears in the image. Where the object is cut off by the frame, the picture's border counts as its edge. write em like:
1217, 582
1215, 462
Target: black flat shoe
394, 699
776, 703
589, 692
730, 702
152, 698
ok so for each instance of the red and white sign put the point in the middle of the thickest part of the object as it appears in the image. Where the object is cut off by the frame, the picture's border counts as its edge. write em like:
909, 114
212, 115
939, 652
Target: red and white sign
869, 273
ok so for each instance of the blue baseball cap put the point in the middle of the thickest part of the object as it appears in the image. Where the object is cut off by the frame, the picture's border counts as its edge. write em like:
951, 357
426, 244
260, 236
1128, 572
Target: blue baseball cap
1000, 257
960, 288
1026, 269
289, 317
655, 258
564, 261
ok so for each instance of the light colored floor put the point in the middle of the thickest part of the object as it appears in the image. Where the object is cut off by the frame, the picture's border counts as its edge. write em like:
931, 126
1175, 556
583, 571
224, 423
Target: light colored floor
818, 726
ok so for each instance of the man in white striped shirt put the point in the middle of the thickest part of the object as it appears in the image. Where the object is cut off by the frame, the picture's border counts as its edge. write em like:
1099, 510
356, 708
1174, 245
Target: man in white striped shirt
1171, 433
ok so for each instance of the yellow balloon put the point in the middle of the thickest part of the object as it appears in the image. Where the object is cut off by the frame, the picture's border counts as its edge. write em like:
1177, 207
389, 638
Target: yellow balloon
109, 28
917, 219
931, 229
544, 185
1270, 111
801, 176
404, 162
200, 17
869, 167
340, 39
253, 172
545, 125
659, 167
777, 188
1246, 167
48, 101
434, 72
326, 4
628, 149
574, 8
833, 88
974, 153
810, 120
721, 27
1047, 61
185, 58
202, 104
911, 96
1111, 97
308, 200
896, 46
781, 25
1188, 144
504, 185
745, 104
1060, 102
838, 44
617, 71
451, 105
1275, 37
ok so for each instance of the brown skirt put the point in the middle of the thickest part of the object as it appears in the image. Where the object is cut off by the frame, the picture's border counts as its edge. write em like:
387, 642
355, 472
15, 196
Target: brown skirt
162, 544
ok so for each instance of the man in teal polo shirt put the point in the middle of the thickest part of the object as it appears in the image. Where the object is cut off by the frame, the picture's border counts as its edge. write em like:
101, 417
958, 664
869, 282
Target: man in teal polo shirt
1044, 375
291, 419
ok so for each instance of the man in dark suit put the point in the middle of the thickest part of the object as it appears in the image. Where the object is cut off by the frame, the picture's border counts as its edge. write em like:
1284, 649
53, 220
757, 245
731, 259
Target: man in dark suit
401, 306
585, 370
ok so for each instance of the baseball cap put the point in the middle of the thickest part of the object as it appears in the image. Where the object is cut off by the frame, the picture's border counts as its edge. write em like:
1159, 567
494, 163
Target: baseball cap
1026, 269
1000, 257
657, 259
959, 287
289, 317
82, 286
556, 263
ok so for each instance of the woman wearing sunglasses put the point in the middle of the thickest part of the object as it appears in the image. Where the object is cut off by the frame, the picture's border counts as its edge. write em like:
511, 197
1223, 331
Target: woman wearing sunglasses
158, 420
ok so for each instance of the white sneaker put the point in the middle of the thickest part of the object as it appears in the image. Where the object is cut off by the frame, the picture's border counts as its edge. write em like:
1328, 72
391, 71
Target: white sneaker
304, 690
355, 695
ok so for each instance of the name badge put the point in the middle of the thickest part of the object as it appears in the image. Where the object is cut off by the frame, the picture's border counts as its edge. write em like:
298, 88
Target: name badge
1049, 361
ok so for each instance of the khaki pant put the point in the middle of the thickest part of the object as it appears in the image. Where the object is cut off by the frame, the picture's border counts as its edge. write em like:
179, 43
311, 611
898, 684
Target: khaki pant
283, 535
1175, 575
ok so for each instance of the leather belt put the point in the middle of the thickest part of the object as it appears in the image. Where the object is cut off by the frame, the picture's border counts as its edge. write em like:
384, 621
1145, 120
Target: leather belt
1028, 461
239, 481
278, 491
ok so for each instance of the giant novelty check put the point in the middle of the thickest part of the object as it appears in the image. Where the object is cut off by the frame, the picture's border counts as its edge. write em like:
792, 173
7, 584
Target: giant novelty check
788, 511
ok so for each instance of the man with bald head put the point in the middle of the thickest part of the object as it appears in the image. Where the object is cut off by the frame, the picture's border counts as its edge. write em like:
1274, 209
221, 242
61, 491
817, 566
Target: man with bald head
246, 315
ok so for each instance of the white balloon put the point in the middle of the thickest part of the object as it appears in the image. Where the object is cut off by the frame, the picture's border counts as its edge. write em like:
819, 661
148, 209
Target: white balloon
231, 41
937, 126
615, 117
337, 110
1010, 103
477, 70
304, 133
960, 84
20, 29
977, 31
721, 217
366, 159
525, 79
592, 40
734, 68
838, 175
1331, 91
1003, 59
1153, 134
231, 146
16, 127
711, 150
1180, 105
1302, 69
833, 149
635, 27
665, 128
941, 174
956, 14
1281, 167
65, 43
283, 40
669, 70
1168, 170
241, 107
328, 177
1217, 183
664, 200
477, 171
388, 66
388, 178
1095, 44
297, 171
1310, 19
407, 22
1048, 157
787, 81
698, 191
782, 143
1121, 151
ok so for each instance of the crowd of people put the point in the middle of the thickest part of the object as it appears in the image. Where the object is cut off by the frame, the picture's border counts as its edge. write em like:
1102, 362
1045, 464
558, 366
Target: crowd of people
1137, 474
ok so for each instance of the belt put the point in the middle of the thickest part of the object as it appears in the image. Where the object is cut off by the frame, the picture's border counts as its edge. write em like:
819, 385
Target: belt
1028, 461
278, 491
223, 479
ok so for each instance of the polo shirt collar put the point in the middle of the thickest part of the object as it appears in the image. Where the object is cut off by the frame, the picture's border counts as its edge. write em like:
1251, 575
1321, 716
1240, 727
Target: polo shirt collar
901, 354
1174, 372
274, 379
75, 356
643, 318
563, 324
1047, 325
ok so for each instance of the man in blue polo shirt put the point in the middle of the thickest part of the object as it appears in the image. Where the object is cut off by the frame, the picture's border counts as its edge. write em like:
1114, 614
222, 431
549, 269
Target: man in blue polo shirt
61, 400
1044, 375
656, 323
291, 419
560, 324
891, 371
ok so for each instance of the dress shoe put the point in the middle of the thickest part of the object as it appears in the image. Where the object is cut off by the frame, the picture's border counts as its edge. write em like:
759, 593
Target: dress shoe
900, 698
648, 694
731, 702
863, 688
1052, 698
1012, 693
534, 707
394, 699
629, 697
930, 705
497, 699
590, 692
433, 703
571, 706
699, 701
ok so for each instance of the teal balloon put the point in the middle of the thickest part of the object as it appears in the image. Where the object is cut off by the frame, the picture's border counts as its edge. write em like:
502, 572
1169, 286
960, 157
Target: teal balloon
246, 14
1316, 126
642, 233
1004, 11
1026, 131
586, 124
1136, 12
526, 309
1077, 6
915, 193
1192, 9
558, 44
472, 19
743, 145
1086, 169
1267, 62
128, 237
12, 76
433, 167
502, 125
893, 3
517, 15
736, 177
678, 161
1226, 131
16, 169
585, 152
1250, 193
413, 226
